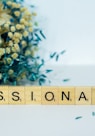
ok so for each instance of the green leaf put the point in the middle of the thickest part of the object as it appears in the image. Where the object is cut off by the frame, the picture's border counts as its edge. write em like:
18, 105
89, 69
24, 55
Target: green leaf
48, 70
79, 117
65, 80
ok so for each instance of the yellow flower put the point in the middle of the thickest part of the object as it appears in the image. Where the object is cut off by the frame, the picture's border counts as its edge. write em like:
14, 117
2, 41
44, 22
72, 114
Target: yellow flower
2, 52
18, 6
30, 29
30, 24
18, 26
23, 43
14, 55
22, 26
26, 23
8, 50
14, 5
16, 46
6, 25
9, 60
16, 35
10, 72
9, 3
16, 40
27, 13
23, 9
10, 43
25, 34
4, 16
0, 76
22, 20
28, 52
17, 13
13, 29
10, 34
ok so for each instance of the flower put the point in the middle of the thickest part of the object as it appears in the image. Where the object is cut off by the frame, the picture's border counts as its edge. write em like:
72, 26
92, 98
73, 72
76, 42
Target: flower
9, 60
16, 46
14, 55
8, 50
18, 26
11, 71
10, 34
2, 52
4, 16
0, 76
20, 38
13, 29
17, 13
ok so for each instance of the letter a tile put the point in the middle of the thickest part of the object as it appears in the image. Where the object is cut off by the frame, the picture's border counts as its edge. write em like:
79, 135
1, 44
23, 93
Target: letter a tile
83, 95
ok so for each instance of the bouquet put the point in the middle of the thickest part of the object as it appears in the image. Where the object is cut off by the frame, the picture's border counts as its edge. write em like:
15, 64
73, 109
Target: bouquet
19, 40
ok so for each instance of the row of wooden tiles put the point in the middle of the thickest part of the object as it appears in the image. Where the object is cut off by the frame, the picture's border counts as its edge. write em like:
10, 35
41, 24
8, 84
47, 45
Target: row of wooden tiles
47, 95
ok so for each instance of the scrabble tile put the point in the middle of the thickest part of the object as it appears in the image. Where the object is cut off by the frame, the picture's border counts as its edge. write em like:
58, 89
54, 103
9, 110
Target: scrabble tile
3, 95
49, 95
93, 95
66, 95
33, 95
83, 95
16, 95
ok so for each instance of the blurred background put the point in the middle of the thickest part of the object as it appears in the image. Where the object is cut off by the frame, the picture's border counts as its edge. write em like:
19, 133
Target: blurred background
69, 25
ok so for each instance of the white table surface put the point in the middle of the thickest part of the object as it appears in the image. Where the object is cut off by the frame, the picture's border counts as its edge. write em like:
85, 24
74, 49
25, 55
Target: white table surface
52, 120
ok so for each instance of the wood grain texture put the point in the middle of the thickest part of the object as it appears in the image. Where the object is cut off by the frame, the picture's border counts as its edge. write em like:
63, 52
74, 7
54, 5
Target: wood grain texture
83, 95
33, 95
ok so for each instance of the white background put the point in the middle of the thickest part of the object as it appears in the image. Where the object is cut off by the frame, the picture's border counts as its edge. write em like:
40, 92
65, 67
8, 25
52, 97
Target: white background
70, 25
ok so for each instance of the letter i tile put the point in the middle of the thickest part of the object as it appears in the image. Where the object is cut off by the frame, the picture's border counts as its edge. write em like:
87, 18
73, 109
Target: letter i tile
33, 95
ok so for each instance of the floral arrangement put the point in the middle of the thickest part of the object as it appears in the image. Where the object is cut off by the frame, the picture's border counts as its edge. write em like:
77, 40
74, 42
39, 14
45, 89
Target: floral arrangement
19, 40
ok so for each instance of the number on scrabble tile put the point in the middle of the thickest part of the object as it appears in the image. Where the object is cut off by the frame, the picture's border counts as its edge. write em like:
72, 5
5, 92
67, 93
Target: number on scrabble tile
33, 95
83, 95
16, 95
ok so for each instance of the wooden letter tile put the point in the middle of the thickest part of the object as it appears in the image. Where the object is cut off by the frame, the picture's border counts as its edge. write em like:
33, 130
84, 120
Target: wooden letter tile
66, 95
93, 95
33, 95
83, 95
49, 95
3, 95
16, 95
